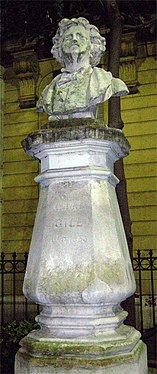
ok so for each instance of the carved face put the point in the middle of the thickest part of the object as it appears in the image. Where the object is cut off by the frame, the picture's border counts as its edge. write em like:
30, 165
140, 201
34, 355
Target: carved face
75, 40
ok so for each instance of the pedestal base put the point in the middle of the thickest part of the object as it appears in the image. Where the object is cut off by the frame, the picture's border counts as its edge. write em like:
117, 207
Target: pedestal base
74, 321
80, 356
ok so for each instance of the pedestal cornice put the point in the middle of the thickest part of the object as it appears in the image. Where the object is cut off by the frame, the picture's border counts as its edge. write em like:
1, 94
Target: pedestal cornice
72, 130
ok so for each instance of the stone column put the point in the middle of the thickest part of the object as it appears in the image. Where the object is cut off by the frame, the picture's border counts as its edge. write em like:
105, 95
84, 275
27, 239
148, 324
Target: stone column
79, 267
1, 137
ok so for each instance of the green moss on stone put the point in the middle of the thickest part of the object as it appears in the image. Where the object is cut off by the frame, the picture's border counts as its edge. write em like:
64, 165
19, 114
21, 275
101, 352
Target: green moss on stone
73, 122
57, 354
77, 129
78, 278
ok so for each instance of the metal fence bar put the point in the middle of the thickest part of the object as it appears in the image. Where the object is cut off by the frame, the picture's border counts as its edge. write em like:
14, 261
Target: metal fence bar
141, 264
14, 285
2, 286
140, 287
152, 285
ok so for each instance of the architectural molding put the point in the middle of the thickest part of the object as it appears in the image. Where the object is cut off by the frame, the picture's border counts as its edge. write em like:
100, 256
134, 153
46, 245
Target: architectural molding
128, 70
26, 67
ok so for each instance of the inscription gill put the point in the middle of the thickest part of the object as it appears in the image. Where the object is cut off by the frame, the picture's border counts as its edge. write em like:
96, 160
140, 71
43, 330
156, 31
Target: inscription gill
68, 223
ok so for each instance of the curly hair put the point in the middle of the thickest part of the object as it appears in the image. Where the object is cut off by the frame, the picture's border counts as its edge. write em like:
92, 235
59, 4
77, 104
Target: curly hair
98, 43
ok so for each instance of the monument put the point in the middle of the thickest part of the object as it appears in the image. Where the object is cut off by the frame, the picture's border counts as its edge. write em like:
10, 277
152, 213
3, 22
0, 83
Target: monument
79, 269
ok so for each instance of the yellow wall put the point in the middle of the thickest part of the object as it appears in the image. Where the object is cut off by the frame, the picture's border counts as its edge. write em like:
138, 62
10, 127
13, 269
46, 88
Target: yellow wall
20, 192
139, 114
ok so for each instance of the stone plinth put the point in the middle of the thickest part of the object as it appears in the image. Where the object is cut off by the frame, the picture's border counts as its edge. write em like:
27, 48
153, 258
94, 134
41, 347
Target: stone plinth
125, 356
79, 267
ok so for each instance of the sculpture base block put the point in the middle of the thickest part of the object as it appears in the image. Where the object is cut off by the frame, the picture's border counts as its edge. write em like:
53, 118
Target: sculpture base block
80, 356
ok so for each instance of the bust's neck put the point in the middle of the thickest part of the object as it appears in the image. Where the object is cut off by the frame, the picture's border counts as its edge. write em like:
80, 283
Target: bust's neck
76, 62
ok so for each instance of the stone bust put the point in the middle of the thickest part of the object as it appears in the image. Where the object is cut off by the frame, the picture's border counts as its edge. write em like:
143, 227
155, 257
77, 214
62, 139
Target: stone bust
81, 86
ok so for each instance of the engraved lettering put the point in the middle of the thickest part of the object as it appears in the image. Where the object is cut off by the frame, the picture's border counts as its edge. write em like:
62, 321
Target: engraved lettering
67, 206
68, 223
78, 223
58, 223
67, 240
72, 223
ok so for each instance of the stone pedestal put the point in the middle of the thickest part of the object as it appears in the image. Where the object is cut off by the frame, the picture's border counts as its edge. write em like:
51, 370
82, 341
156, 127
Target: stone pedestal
82, 356
79, 268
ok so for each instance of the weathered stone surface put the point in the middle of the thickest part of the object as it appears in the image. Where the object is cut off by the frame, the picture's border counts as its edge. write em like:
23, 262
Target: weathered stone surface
77, 223
74, 129
81, 86
120, 357
83, 270
79, 267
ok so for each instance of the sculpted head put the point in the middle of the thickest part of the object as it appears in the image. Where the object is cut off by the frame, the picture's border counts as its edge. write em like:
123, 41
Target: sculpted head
76, 92
78, 37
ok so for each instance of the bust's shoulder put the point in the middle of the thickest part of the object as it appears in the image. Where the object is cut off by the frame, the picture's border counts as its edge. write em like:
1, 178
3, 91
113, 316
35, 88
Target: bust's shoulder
53, 82
104, 78
100, 73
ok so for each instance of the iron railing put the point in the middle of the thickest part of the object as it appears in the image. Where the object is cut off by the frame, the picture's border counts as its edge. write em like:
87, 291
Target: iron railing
13, 303
15, 306
146, 286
